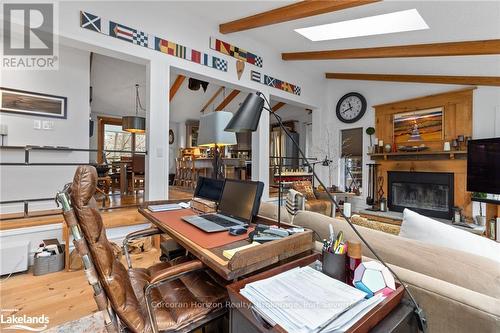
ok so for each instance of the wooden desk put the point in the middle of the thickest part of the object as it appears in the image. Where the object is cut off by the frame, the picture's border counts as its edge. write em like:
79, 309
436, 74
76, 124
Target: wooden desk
243, 262
243, 319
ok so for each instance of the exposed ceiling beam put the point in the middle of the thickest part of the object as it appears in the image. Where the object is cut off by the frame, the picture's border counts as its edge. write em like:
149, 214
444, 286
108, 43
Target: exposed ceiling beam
227, 100
175, 87
211, 99
465, 80
278, 106
289, 13
476, 47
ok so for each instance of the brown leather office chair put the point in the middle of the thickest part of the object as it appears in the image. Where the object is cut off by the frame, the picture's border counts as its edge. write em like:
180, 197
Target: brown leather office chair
165, 297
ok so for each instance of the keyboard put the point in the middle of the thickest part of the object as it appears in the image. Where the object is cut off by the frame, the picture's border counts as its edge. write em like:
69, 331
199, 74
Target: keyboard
219, 221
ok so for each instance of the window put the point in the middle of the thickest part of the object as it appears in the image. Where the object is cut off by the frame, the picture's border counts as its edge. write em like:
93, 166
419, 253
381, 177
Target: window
116, 139
113, 139
352, 159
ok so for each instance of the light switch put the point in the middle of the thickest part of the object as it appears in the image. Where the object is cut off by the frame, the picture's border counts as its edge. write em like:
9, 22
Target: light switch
37, 124
159, 152
48, 125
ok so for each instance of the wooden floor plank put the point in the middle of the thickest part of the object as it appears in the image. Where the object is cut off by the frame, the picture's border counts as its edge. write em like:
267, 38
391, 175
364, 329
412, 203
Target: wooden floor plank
61, 296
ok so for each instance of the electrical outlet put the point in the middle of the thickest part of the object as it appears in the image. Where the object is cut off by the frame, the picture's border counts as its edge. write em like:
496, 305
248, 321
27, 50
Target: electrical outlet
37, 124
48, 125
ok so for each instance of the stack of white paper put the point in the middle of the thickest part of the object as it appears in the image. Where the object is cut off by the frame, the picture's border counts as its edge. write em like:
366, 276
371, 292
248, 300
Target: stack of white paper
305, 300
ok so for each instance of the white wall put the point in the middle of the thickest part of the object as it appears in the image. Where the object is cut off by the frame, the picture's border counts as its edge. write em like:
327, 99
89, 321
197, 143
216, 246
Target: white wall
195, 35
26, 182
486, 99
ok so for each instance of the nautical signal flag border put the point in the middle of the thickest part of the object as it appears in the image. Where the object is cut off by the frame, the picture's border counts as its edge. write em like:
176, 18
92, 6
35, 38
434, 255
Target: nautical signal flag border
98, 24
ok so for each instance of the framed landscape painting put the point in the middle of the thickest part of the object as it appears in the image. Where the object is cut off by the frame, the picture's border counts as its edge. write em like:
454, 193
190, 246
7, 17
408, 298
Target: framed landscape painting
31, 103
421, 125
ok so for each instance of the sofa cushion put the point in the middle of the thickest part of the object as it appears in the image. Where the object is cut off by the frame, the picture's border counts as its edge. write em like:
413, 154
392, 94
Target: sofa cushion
270, 210
427, 230
463, 269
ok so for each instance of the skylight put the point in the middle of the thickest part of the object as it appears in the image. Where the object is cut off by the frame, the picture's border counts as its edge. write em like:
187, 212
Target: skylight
406, 20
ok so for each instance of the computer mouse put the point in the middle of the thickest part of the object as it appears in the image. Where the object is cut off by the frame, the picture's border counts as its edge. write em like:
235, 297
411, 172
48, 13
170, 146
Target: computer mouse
235, 231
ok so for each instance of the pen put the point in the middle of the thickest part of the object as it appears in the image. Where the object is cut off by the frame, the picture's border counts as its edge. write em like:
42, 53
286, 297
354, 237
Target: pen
340, 235
332, 234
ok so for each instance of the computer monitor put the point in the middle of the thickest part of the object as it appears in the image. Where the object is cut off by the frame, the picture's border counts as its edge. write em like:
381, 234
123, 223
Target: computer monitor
241, 199
209, 188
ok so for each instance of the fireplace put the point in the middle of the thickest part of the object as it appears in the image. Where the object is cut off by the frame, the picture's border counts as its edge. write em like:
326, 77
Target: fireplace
428, 193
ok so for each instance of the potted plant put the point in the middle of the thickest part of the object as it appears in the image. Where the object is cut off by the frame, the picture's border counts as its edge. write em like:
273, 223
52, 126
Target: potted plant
370, 131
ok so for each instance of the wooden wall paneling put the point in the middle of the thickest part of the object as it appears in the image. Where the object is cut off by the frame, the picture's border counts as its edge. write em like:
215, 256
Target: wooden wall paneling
449, 122
457, 121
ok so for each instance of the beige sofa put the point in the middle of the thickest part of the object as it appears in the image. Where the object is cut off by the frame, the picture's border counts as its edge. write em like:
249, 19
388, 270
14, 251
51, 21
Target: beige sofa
459, 292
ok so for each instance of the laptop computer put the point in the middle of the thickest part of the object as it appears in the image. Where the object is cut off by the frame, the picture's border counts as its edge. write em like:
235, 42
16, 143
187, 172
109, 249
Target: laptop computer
209, 188
239, 203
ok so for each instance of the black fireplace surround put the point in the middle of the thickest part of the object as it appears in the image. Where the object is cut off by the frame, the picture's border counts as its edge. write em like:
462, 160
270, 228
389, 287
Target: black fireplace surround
428, 193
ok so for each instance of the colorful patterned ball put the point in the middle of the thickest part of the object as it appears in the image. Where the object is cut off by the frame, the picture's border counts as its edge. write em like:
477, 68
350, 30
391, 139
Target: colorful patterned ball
374, 278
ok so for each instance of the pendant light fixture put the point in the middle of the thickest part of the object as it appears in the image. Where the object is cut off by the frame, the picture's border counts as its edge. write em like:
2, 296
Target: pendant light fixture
135, 124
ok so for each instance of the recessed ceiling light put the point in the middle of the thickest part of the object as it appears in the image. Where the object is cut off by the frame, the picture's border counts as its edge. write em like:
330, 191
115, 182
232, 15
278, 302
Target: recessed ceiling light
406, 20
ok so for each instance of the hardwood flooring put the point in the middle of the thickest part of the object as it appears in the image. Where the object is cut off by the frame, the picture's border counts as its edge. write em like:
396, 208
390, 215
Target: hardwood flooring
61, 296
66, 296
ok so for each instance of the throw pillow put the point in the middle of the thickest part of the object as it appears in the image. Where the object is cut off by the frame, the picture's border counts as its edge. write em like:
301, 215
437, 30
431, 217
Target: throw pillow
304, 187
427, 230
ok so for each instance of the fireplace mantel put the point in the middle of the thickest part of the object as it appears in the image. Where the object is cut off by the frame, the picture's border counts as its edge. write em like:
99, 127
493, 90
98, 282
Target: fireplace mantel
457, 107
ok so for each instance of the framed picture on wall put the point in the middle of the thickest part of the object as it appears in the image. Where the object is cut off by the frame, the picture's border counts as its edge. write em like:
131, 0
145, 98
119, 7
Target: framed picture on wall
420, 125
32, 103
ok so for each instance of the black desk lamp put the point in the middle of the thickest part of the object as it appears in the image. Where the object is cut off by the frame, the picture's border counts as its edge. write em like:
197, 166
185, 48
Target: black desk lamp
247, 119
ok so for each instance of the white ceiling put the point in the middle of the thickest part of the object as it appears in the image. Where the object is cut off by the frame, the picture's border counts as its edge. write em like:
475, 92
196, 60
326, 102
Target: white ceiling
448, 21
113, 80
113, 83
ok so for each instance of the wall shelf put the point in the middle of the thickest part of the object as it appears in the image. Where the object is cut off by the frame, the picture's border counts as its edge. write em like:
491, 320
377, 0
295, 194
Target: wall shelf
421, 155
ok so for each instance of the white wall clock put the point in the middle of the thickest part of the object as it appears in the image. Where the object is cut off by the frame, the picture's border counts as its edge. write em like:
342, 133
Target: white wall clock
351, 107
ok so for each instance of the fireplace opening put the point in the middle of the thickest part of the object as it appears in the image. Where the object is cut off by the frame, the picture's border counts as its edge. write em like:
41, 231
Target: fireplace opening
428, 193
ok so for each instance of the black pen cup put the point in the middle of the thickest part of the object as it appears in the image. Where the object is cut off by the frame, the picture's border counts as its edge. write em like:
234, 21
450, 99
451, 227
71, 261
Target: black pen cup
334, 265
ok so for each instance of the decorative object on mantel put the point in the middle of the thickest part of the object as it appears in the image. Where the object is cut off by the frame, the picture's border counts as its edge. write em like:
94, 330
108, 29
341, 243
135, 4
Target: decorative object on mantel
32, 103
351, 107
388, 148
240, 67
447, 146
235, 52
370, 131
421, 125
109, 28
422, 147
461, 140
275, 83
135, 124
455, 144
